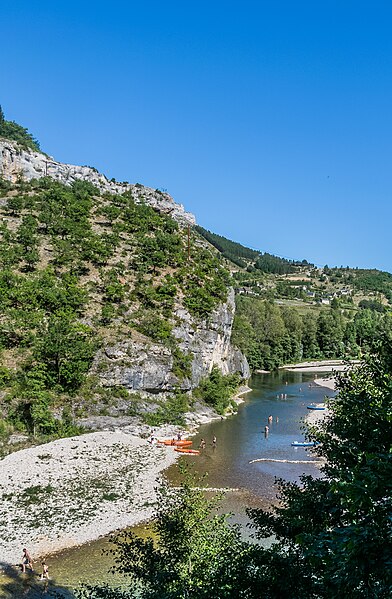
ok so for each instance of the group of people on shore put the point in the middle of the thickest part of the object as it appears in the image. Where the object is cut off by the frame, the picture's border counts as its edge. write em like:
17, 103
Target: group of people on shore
27, 564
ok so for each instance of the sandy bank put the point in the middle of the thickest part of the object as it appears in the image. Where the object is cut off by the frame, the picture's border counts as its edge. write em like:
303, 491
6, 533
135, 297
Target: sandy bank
74, 490
328, 382
320, 366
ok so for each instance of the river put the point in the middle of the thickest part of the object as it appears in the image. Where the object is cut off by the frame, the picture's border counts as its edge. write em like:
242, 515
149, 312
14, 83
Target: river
240, 439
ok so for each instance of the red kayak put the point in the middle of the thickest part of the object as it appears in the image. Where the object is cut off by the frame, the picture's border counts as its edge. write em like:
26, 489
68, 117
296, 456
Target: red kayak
179, 443
187, 450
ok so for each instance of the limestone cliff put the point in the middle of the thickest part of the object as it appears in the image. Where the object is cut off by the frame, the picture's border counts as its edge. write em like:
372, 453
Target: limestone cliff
16, 162
142, 366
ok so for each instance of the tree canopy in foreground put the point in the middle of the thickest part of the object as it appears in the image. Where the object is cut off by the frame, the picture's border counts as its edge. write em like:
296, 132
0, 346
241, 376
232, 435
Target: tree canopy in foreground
332, 534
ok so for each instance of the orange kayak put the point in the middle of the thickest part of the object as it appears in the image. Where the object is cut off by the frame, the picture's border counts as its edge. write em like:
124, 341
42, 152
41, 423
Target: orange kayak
181, 443
187, 450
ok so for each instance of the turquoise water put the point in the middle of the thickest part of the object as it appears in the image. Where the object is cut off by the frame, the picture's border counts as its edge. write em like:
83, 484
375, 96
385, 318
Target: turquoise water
240, 439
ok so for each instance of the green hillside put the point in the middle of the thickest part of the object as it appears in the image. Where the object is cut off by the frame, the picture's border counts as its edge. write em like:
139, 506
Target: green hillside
78, 270
245, 257
288, 311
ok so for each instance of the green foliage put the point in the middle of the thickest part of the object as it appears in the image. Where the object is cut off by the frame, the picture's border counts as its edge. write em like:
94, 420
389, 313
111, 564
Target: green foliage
204, 284
230, 249
170, 412
268, 335
14, 132
182, 363
373, 280
218, 389
367, 304
272, 335
192, 553
66, 348
273, 264
154, 326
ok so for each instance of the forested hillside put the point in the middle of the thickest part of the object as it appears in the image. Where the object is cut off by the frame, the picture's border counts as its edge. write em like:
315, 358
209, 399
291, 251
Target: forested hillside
289, 311
271, 335
78, 270
245, 257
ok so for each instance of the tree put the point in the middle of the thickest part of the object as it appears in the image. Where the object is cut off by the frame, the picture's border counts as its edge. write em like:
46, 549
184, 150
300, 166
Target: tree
195, 554
330, 334
66, 347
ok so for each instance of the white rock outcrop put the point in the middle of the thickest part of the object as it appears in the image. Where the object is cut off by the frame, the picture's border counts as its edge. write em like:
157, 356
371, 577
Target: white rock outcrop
16, 162
148, 367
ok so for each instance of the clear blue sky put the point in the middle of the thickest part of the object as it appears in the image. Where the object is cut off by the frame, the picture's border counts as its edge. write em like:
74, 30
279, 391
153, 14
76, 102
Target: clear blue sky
271, 121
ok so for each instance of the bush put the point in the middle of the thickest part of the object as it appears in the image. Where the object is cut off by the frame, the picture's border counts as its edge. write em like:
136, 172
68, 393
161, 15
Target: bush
218, 389
170, 412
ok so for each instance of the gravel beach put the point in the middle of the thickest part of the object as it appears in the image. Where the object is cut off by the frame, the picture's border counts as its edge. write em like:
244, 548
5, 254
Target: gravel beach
74, 490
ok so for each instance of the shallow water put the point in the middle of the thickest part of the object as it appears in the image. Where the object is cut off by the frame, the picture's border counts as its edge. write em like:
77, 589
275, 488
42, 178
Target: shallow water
240, 439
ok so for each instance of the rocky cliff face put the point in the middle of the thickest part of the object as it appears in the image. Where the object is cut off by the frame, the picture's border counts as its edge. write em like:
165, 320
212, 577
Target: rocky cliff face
16, 162
146, 367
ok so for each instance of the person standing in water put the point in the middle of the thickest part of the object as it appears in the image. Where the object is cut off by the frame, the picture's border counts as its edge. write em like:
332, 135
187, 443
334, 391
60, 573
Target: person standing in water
214, 441
270, 419
266, 430
45, 571
27, 562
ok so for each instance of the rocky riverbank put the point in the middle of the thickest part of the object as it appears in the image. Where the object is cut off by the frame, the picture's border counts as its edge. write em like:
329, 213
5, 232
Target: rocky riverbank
75, 490
320, 366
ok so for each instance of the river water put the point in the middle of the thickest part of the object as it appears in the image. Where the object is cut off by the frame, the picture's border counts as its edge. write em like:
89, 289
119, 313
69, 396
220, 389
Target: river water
240, 439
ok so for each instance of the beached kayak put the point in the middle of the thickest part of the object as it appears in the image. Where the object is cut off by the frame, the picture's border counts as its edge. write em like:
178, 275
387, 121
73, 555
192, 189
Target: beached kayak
175, 442
187, 450
315, 407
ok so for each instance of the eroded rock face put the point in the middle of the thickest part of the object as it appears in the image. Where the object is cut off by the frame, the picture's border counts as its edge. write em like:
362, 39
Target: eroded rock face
140, 365
137, 366
147, 367
16, 162
209, 343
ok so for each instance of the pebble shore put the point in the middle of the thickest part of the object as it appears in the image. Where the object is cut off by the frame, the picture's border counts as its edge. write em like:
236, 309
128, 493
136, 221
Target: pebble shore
74, 490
